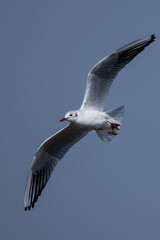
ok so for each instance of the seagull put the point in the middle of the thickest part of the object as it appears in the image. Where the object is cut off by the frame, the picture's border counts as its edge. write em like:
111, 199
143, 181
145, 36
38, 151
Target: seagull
89, 116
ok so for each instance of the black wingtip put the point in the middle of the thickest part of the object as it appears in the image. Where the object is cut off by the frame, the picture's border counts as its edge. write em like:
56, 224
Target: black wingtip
153, 37
27, 208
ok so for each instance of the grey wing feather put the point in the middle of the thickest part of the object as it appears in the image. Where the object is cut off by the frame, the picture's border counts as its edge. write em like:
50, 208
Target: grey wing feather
100, 78
45, 160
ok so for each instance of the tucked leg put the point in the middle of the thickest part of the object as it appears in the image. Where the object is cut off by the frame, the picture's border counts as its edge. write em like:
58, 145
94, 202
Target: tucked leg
114, 125
111, 132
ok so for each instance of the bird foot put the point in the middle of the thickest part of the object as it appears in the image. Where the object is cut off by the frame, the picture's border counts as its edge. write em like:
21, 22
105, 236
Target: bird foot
111, 132
114, 125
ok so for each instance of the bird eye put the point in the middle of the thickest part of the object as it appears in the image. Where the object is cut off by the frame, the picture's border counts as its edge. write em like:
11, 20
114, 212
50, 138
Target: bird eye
70, 115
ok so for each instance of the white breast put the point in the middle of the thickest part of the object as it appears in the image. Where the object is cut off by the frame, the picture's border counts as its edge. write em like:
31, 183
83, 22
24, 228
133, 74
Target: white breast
91, 119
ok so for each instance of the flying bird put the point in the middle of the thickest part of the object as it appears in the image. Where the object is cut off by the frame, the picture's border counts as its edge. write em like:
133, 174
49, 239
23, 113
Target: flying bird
89, 116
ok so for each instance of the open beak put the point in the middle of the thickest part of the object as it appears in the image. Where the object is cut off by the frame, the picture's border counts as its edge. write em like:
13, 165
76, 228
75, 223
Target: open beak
63, 119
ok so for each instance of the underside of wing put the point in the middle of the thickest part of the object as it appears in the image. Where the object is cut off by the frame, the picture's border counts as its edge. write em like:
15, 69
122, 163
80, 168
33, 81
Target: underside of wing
100, 78
45, 160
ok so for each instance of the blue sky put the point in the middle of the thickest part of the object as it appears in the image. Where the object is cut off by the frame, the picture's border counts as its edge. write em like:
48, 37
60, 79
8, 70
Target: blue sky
97, 191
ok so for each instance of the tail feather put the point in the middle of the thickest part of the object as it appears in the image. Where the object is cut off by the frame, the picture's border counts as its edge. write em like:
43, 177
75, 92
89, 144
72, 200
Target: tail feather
115, 116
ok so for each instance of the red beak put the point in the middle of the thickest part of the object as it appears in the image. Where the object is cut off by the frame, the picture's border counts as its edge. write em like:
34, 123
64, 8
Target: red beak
63, 119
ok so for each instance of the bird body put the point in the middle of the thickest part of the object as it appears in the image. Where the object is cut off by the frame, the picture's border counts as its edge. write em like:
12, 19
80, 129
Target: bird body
89, 117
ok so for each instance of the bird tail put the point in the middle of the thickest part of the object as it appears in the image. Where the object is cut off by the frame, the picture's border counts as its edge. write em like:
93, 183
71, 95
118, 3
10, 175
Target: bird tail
114, 116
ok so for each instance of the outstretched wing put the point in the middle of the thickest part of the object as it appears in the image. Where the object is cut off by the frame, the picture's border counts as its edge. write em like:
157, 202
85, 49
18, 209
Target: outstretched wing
100, 78
45, 160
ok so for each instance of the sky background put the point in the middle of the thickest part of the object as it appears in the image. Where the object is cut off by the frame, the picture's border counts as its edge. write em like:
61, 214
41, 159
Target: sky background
97, 191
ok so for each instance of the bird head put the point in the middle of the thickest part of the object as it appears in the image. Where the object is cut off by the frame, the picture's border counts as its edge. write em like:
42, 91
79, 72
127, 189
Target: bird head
70, 116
